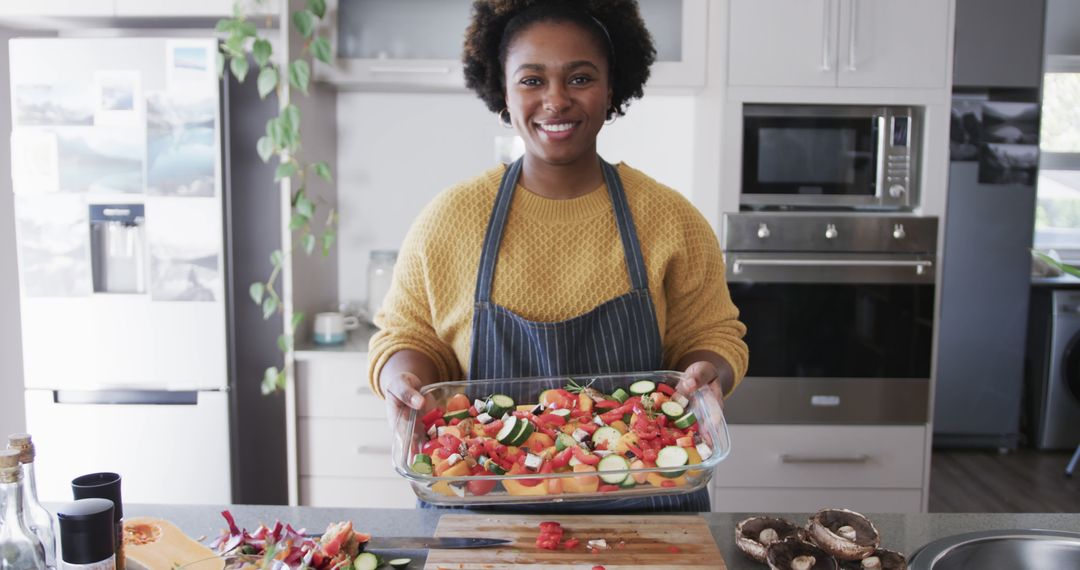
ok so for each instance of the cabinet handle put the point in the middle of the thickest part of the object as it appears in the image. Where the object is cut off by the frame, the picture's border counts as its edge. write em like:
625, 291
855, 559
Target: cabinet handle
794, 458
376, 449
410, 70
826, 31
852, 35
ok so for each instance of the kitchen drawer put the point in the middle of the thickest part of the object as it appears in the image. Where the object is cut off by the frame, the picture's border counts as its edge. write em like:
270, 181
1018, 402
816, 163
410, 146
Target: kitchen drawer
336, 388
356, 493
803, 500
331, 447
801, 456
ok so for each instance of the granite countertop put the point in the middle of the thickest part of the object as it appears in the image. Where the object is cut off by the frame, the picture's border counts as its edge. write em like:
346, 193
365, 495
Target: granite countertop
902, 532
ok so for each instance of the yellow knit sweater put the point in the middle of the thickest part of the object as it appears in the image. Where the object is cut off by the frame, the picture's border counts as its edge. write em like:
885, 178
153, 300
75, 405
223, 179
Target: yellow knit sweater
558, 259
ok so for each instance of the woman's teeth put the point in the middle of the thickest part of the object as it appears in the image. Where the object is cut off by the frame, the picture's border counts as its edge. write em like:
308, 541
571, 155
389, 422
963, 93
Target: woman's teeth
557, 128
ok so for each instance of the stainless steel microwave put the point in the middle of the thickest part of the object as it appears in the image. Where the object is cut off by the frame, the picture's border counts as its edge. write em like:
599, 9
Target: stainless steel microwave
830, 156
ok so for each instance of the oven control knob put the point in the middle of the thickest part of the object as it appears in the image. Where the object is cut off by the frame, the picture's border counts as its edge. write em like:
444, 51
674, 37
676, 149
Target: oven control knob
898, 231
763, 231
830, 231
897, 190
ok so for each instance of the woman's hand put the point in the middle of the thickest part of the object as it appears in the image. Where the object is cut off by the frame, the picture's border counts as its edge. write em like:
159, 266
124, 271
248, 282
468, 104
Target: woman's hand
706, 369
402, 394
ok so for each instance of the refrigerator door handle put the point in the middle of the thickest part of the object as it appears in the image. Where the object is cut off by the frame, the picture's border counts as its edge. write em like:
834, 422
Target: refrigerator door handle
127, 397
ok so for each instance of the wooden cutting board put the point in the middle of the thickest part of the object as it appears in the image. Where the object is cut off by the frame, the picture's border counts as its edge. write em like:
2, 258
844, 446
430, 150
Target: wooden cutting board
647, 542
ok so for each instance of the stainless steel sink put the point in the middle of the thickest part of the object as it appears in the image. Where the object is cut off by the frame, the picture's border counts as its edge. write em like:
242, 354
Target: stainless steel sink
1001, 549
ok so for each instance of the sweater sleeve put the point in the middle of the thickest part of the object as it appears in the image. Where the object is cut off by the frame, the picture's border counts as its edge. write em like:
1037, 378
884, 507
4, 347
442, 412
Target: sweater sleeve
405, 320
701, 314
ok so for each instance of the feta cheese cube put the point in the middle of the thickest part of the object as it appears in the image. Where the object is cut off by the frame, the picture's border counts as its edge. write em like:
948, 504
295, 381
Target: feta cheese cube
598, 543
574, 461
480, 405
579, 434
680, 399
533, 461
433, 431
596, 420
703, 450
453, 459
484, 418
603, 452
442, 430
505, 417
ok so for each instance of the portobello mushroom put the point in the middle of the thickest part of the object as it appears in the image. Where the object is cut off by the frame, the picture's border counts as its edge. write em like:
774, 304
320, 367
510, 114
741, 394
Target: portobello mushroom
845, 534
794, 554
881, 559
754, 535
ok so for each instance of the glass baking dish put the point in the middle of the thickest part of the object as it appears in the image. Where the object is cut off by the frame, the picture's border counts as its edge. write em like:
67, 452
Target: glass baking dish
711, 444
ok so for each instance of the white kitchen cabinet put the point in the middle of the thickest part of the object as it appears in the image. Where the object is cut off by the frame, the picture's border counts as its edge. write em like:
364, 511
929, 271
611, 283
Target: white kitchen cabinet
57, 8
416, 44
343, 441
804, 468
190, 8
839, 43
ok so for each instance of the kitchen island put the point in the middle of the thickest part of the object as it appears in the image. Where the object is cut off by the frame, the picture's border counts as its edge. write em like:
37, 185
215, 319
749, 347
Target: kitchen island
902, 532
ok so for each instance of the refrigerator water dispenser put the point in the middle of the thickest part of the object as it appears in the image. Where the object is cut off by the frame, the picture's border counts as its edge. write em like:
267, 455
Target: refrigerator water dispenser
118, 248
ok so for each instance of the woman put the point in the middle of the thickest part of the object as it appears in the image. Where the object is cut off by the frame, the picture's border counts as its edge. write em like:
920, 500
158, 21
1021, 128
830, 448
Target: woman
559, 263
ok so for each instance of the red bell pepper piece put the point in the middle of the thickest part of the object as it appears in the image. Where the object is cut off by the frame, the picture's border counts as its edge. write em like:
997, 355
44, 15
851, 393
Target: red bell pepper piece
649, 455
570, 543
450, 442
586, 458
551, 419
550, 525
473, 412
430, 447
589, 427
430, 417
607, 488
664, 388
667, 483
562, 458
438, 423
636, 450
493, 428
455, 421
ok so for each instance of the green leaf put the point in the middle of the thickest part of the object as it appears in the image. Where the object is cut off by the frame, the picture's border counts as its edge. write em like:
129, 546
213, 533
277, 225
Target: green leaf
276, 131
298, 221
235, 45
327, 242
265, 146
320, 48
322, 170
300, 75
276, 257
239, 66
225, 25
268, 79
284, 171
305, 207
317, 7
220, 62
246, 29
290, 116
297, 318
261, 51
257, 290
269, 305
281, 380
304, 20
269, 382
309, 243
284, 342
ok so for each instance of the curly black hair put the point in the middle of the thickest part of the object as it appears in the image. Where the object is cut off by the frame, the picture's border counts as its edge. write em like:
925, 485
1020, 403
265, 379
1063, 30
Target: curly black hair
616, 24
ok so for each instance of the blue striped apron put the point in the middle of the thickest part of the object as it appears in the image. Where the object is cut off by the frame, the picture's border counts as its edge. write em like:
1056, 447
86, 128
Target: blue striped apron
620, 335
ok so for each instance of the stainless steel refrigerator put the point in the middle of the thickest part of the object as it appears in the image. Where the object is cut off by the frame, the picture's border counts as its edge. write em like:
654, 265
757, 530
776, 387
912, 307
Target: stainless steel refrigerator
126, 276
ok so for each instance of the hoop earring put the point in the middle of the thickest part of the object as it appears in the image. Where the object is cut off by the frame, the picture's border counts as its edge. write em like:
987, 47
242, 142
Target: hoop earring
504, 119
614, 115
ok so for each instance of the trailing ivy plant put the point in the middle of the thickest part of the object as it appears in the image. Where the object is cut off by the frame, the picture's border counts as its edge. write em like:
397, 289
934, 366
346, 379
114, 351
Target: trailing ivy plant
282, 141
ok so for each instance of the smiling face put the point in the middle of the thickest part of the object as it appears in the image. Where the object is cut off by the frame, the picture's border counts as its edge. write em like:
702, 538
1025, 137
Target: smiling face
557, 92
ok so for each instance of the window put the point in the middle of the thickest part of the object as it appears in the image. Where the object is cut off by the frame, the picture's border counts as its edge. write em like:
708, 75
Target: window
1057, 211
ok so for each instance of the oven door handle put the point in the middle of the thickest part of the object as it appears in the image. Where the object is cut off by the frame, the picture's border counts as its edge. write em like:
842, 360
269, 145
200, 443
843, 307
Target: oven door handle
920, 266
795, 458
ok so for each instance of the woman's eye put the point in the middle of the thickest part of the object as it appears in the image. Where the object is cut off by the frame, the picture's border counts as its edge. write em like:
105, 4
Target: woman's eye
580, 80
530, 81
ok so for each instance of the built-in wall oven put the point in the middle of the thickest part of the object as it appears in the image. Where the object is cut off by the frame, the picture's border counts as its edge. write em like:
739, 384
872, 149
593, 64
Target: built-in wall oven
830, 156
839, 309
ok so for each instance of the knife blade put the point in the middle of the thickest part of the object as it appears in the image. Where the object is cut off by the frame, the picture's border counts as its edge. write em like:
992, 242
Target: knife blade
429, 542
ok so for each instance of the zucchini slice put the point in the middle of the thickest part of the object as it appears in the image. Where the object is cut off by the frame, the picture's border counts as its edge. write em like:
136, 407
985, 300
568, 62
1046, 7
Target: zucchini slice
399, 563
672, 410
563, 441
499, 404
422, 464
366, 561
613, 469
686, 421
642, 387
508, 431
672, 456
620, 396
607, 434
456, 415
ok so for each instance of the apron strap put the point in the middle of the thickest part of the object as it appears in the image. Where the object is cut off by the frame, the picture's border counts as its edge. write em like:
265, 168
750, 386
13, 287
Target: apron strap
635, 262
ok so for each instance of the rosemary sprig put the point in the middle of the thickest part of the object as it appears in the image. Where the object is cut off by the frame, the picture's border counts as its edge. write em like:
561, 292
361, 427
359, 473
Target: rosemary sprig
574, 388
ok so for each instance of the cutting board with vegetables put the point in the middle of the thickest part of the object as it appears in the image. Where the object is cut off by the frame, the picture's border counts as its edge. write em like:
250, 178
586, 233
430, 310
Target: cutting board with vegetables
156, 544
631, 542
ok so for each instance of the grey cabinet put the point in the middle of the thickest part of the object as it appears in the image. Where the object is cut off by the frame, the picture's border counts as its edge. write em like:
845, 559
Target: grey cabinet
999, 43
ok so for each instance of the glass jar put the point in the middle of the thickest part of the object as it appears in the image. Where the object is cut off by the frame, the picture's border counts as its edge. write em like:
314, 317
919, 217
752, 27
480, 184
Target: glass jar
380, 274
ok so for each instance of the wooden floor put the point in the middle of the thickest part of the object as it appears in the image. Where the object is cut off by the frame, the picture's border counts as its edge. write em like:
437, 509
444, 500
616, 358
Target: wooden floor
984, 481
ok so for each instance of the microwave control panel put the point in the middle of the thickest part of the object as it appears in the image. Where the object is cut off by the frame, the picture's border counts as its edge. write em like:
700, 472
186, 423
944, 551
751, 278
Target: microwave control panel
897, 171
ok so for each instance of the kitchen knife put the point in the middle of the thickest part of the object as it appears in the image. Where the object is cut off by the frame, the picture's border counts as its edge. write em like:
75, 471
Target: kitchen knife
429, 542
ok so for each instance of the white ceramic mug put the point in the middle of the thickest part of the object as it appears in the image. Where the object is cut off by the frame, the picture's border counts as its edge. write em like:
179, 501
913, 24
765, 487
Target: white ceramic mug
329, 328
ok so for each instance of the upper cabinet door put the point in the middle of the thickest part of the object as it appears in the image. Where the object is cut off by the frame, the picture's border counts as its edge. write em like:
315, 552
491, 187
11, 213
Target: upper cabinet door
887, 43
190, 8
57, 8
783, 42
678, 29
